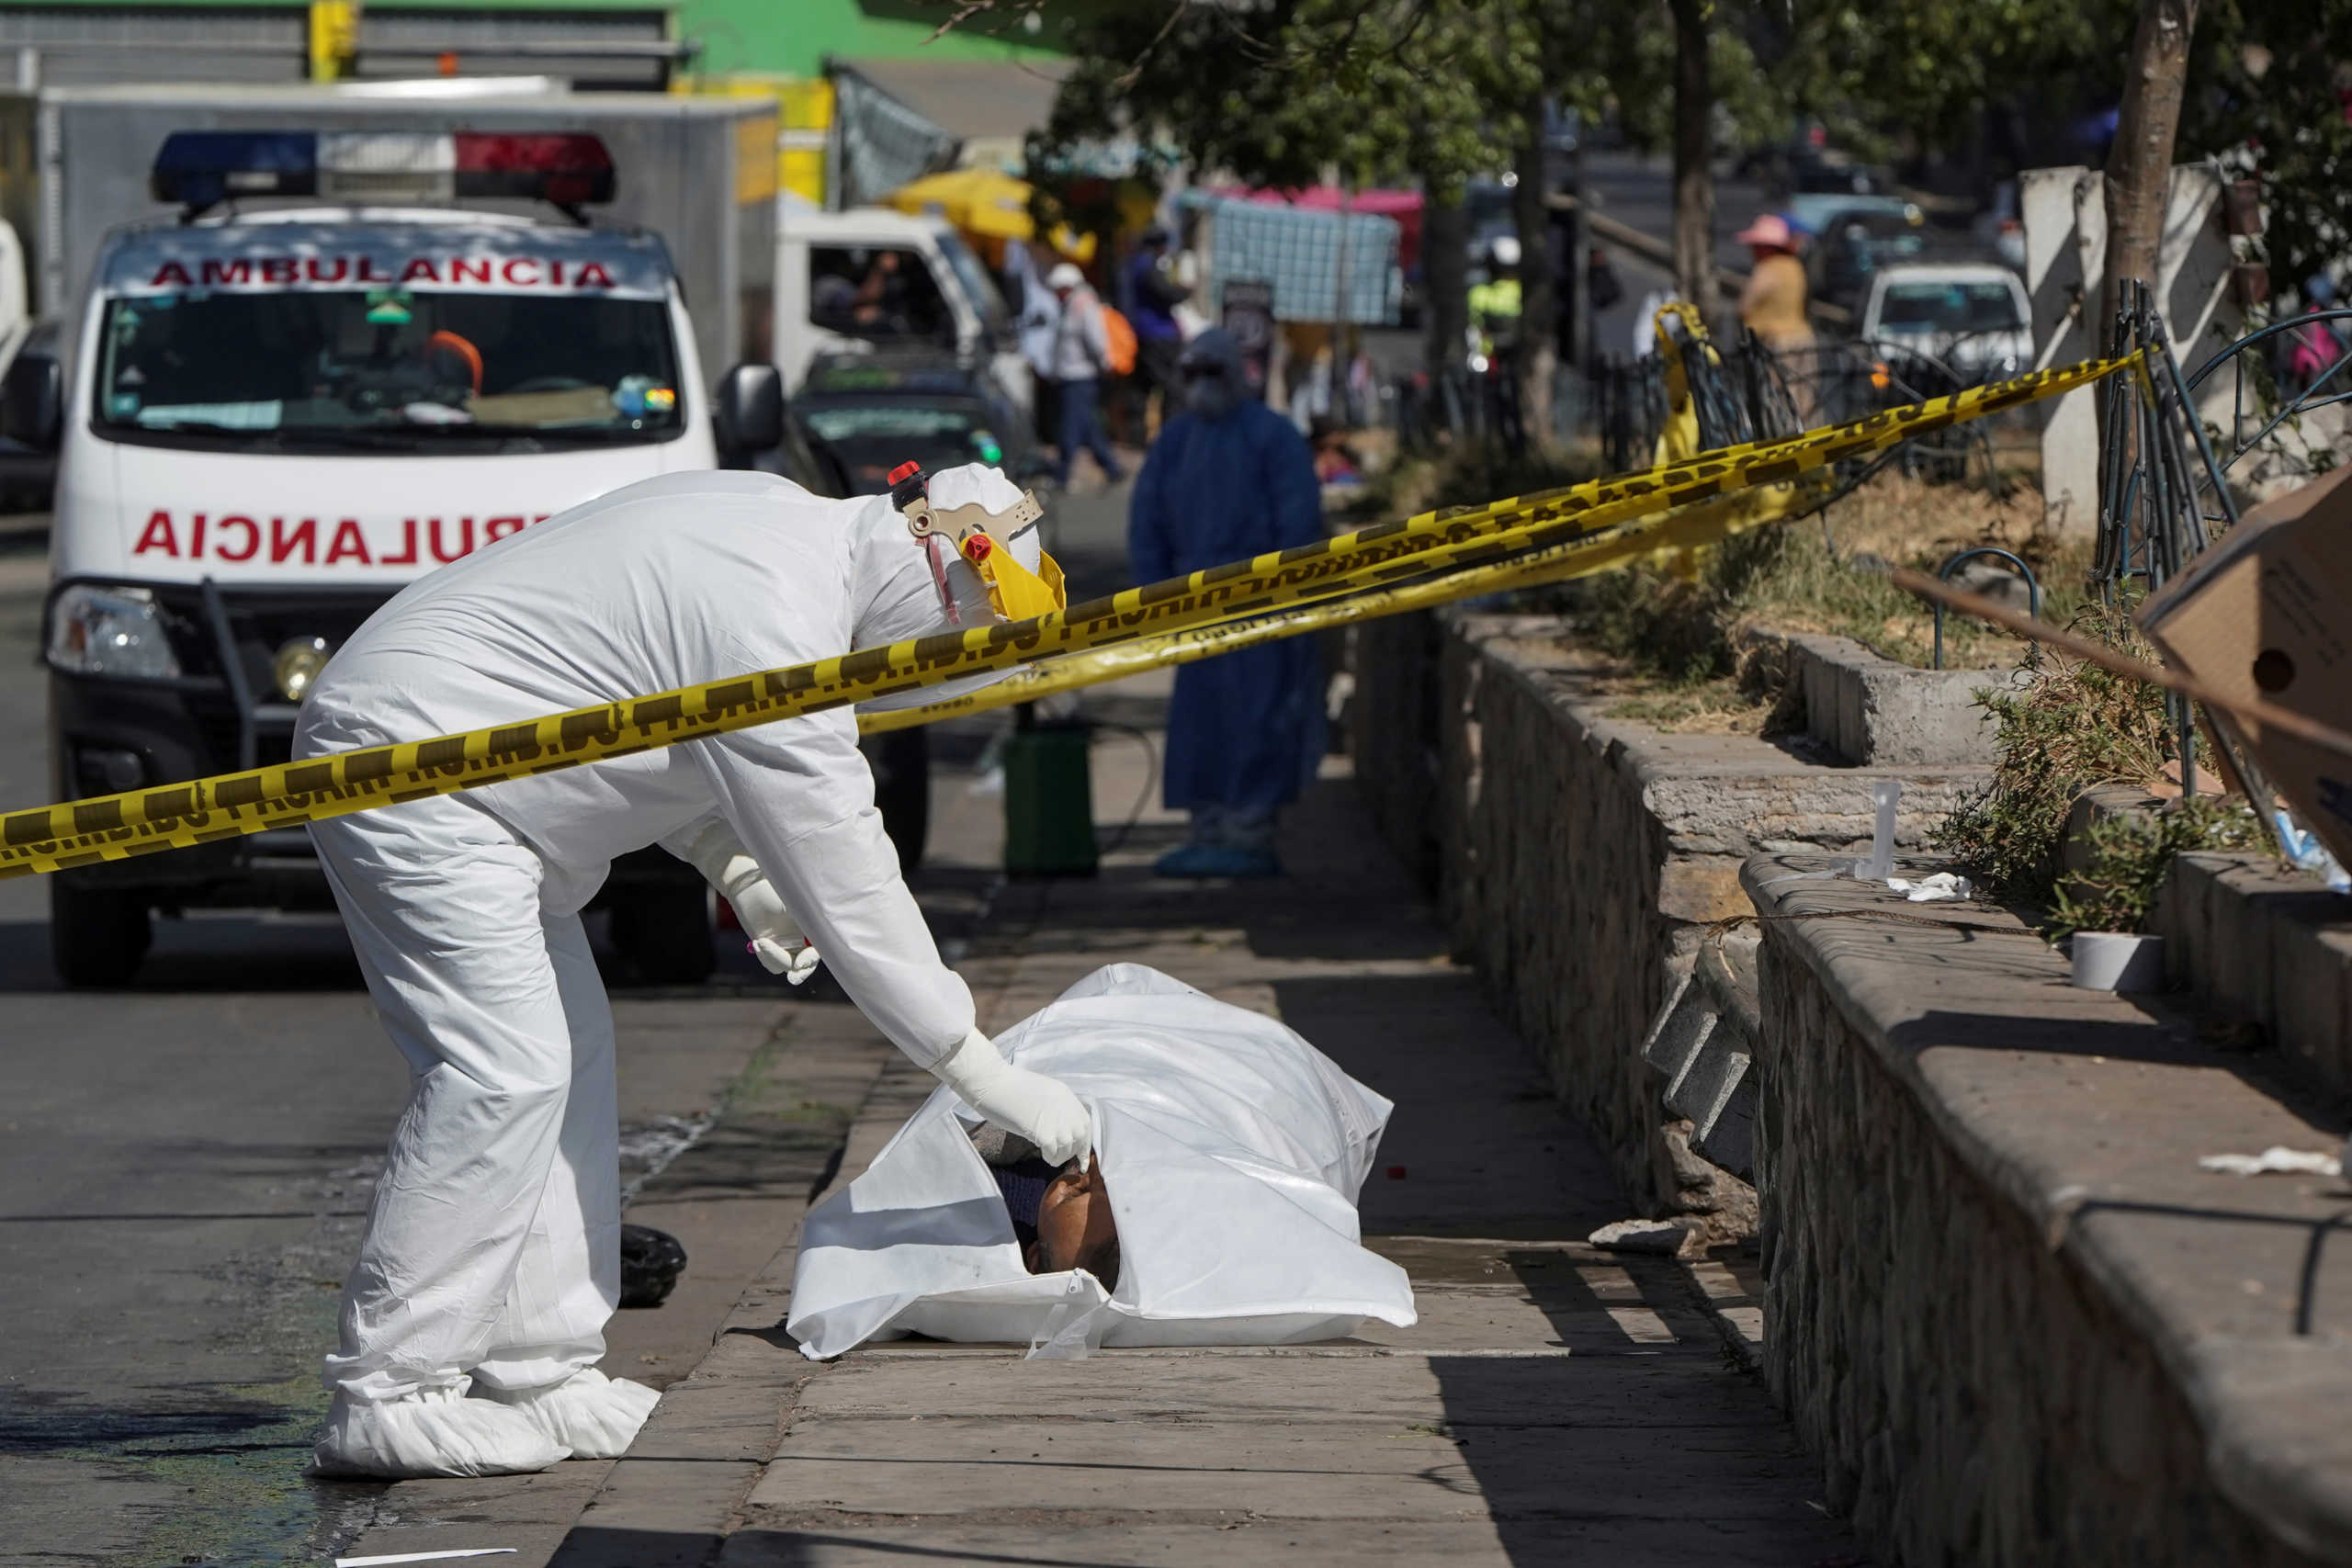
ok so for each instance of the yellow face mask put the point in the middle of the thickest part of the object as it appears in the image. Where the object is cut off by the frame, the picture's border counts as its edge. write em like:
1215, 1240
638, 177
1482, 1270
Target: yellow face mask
984, 540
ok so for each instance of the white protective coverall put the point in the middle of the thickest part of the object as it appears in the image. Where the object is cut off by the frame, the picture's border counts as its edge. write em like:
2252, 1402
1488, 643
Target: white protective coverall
490, 1259
1232, 1152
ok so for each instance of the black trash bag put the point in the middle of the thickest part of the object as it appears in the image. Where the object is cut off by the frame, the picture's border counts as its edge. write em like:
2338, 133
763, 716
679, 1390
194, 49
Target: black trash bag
651, 1261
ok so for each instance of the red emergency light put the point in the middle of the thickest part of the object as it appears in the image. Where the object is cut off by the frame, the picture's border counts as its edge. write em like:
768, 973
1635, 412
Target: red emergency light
200, 169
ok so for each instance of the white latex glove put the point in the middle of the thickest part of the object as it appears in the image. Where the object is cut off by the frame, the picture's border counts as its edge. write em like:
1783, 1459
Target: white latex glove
778, 941
1028, 1104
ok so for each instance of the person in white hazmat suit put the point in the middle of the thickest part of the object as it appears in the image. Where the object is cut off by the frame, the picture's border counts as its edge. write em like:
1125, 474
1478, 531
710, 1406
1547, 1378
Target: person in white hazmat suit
473, 1319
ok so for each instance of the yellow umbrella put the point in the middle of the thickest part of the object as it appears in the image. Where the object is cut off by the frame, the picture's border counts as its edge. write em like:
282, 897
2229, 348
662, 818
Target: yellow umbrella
984, 203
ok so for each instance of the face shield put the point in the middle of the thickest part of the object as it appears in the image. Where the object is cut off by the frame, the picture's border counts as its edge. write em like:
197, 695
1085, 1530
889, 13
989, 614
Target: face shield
963, 550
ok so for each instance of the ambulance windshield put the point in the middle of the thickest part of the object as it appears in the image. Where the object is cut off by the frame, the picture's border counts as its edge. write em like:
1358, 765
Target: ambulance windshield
385, 369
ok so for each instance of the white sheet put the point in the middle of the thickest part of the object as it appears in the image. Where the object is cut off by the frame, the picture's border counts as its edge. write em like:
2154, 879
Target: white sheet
1233, 1152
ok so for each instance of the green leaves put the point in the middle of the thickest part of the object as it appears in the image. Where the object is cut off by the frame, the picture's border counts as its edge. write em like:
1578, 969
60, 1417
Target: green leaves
1284, 93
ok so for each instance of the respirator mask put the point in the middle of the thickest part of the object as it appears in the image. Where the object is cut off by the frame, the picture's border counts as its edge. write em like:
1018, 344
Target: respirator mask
977, 554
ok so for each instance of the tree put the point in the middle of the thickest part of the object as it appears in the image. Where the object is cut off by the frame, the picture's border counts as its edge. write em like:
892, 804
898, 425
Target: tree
2266, 79
2139, 168
1695, 178
1291, 92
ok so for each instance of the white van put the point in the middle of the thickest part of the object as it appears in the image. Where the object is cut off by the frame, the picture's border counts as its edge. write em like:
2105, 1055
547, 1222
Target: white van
277, 419
1972, 316
870, 277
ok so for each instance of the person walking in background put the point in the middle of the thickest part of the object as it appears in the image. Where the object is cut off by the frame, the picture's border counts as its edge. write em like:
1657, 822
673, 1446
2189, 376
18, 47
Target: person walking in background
1081, 351
1151, 298
1036, 312
1229, 479
1772, 305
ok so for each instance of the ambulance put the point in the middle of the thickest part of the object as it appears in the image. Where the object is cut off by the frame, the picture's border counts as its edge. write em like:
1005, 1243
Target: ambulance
269, 419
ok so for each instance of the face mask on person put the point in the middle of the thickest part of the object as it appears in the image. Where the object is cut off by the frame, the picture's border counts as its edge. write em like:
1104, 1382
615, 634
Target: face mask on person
1208, 392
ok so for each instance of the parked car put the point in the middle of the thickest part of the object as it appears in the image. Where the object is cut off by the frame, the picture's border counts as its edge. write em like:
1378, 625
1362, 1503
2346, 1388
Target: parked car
1800, 168
1853, 237
873, 411
1970, 316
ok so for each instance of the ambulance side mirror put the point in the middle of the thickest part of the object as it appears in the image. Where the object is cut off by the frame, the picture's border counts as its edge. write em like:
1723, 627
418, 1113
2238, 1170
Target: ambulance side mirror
32, 402
747, 414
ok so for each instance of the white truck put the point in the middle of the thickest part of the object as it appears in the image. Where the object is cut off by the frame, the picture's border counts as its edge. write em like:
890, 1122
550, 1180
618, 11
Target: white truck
873, 278
269, 420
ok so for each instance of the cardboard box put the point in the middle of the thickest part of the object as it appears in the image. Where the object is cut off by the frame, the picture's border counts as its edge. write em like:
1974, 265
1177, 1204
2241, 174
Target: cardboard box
2266, 612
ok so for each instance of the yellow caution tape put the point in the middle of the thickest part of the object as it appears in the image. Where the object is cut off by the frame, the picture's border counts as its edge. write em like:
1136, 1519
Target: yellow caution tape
1688, 528
285, 795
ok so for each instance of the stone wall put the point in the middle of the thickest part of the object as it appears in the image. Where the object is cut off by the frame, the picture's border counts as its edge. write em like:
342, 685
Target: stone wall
1866, 709
2262, 945
2007, 1309
1577, 857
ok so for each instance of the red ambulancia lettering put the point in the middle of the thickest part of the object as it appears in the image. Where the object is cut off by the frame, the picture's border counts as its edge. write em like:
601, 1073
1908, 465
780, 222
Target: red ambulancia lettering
420, 267
315, 269
157, 536
220, 272
465, 547
499, 527
592, 275
171, 272
196, 537
464, 270
408, 546
367, 273
253, 538
277, 269
348, 541
512, 271
283, 541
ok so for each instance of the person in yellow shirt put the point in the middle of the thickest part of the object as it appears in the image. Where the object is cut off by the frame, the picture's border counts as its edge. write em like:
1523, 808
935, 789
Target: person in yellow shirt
1772, 305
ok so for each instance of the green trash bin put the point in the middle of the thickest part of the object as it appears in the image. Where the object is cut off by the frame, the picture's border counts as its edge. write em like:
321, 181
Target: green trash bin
1048, 799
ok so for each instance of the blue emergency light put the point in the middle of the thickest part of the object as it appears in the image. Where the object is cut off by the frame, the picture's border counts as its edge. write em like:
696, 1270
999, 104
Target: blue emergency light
200, 169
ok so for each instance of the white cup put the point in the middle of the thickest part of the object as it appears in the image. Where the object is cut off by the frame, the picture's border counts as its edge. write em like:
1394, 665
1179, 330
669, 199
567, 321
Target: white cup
2118, 960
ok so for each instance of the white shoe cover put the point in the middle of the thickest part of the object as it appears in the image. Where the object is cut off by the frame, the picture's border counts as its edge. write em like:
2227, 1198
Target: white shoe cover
594, 1416
433, 1432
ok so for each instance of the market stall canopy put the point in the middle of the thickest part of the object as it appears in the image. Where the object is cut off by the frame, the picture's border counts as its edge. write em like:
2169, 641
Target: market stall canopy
1405, 205
1324, 265
978, 201
987, 106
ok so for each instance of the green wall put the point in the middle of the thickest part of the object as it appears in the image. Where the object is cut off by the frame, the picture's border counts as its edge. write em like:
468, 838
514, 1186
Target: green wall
792, 36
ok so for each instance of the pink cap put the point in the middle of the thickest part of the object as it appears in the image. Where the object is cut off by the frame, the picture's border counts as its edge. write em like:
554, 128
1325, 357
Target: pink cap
1771, 231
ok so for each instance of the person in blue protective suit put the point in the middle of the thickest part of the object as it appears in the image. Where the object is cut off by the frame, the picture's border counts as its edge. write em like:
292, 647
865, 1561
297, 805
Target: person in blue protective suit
1229, 479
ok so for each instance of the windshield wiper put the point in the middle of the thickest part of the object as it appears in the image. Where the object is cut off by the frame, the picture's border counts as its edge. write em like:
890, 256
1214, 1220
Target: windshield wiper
601, 434
262, 436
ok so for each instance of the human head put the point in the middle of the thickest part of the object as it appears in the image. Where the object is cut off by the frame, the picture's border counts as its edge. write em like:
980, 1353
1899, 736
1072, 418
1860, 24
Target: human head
1770, 235
898, 577
2319, 292
1065, 279
1214, 382
1075, 1225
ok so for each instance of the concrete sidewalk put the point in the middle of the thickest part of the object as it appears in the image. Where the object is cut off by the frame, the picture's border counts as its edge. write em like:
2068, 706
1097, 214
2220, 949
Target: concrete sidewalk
1554, 1403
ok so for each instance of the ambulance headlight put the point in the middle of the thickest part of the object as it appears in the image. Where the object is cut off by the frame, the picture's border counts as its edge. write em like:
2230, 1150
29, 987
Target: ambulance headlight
97, 630
297, 665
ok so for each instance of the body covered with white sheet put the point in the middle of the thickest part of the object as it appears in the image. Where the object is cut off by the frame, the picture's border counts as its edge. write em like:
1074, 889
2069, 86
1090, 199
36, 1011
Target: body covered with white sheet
1232, 1152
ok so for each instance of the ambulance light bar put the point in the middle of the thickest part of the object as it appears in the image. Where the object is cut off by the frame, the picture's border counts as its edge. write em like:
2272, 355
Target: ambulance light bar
200, 169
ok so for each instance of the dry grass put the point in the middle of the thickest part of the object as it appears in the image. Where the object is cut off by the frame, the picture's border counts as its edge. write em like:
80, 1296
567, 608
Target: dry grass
1809, 582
